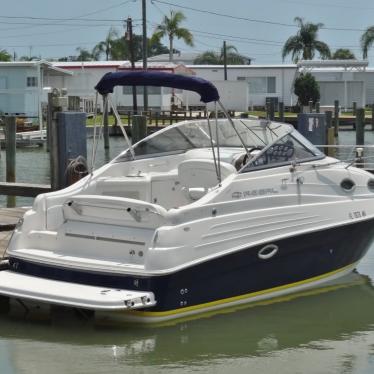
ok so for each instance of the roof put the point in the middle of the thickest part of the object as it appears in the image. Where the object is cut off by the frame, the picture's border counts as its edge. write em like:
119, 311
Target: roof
275, 66
333, 63
44, 64
89, 64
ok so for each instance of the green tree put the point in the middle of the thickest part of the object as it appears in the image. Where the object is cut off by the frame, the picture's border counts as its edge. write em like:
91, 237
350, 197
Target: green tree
29, 58
305, 43
213, 58
367, 40
4, 55
343, 54
170, 27
84, 54
306, 89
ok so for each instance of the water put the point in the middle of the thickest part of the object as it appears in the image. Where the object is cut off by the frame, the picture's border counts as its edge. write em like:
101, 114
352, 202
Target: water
326, 330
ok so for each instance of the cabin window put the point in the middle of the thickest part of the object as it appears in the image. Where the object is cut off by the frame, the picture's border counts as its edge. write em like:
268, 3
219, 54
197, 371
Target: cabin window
31, 81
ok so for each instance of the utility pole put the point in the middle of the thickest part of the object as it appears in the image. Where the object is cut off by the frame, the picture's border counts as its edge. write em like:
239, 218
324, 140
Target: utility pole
145, 54
129, 38
224, 61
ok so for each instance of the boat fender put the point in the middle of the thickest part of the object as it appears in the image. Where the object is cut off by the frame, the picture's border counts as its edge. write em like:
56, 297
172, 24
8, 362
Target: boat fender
268, 251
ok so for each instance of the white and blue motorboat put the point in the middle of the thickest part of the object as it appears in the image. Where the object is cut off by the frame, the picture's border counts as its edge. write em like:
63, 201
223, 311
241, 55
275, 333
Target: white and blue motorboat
201, 215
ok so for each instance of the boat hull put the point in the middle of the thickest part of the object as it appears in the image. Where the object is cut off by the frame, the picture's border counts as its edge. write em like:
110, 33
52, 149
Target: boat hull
299, 262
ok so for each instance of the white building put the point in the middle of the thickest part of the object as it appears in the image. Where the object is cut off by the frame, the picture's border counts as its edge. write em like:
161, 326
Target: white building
263, 81
21, 86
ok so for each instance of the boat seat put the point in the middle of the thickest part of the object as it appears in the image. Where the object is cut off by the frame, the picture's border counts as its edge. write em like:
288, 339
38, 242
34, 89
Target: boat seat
198, 175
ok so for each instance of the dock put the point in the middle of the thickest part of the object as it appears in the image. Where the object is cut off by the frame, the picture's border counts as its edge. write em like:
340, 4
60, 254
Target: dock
9, 218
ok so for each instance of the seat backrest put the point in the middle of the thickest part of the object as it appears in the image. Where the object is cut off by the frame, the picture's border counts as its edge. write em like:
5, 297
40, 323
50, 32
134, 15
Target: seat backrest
202, 173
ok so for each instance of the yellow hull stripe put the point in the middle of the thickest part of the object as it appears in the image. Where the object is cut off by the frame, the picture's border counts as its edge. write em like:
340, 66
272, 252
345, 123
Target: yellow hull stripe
236, 298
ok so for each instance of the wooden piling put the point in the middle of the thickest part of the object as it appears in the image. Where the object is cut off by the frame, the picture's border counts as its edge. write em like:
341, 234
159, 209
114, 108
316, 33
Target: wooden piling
310, 106
329, 131
354, 108
360, 126
10, 141
281, 111
270, 110
336, 118
139, 128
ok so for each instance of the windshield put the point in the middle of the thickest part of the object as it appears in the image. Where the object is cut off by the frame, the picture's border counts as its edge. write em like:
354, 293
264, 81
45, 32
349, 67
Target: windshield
189, 135
291, 147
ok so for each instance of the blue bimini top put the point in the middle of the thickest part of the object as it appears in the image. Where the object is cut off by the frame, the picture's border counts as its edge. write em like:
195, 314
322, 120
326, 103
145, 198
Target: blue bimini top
207, 91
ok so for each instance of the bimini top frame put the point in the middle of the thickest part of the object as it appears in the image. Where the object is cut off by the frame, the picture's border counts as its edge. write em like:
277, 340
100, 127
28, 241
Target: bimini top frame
207, 91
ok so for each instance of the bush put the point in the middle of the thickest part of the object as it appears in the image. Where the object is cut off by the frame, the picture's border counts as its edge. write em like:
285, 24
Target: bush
306, 89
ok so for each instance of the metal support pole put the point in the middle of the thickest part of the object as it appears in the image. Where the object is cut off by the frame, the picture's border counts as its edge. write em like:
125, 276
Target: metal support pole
372, 117
318, 109
106, 122
10, 133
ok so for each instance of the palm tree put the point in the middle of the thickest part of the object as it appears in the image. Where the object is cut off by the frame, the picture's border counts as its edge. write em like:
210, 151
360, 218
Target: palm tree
107, 46
214, 58
4, 55
343, 54
367, 40
304, 44
170, 28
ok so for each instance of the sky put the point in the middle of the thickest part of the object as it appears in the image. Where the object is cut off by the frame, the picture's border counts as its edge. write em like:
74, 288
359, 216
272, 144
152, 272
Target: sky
257, 28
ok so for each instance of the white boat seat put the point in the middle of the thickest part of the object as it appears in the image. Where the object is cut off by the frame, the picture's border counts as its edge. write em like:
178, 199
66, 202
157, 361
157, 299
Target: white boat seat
198, 175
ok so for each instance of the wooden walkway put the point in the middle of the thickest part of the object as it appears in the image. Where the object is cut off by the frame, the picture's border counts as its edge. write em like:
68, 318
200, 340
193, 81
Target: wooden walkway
8, 220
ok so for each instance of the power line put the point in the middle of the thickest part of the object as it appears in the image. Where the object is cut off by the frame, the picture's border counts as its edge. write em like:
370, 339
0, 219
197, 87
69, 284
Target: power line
252, 19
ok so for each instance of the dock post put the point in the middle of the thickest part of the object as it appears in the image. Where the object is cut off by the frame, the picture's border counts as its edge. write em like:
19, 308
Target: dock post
138, 128
354, 108
310, 106
270, 110
281, 112
318, 109
336, 118
329, 134
372, 117
10, 144
360, 126
106, 123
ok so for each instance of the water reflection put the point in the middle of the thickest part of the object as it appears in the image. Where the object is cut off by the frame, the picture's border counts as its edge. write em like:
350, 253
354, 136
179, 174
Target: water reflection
312, 321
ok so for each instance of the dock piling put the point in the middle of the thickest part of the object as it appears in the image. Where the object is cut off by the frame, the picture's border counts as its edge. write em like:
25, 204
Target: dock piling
10, 133
360, 126
336, 118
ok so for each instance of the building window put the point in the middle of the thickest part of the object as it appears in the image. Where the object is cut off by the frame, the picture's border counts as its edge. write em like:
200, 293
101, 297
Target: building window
260, 85
31, 81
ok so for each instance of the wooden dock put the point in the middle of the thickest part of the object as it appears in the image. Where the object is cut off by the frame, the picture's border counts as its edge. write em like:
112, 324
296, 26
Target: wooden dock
9, 217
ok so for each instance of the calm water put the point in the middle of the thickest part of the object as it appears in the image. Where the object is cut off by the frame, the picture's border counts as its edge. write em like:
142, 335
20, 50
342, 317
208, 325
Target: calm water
327, 330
